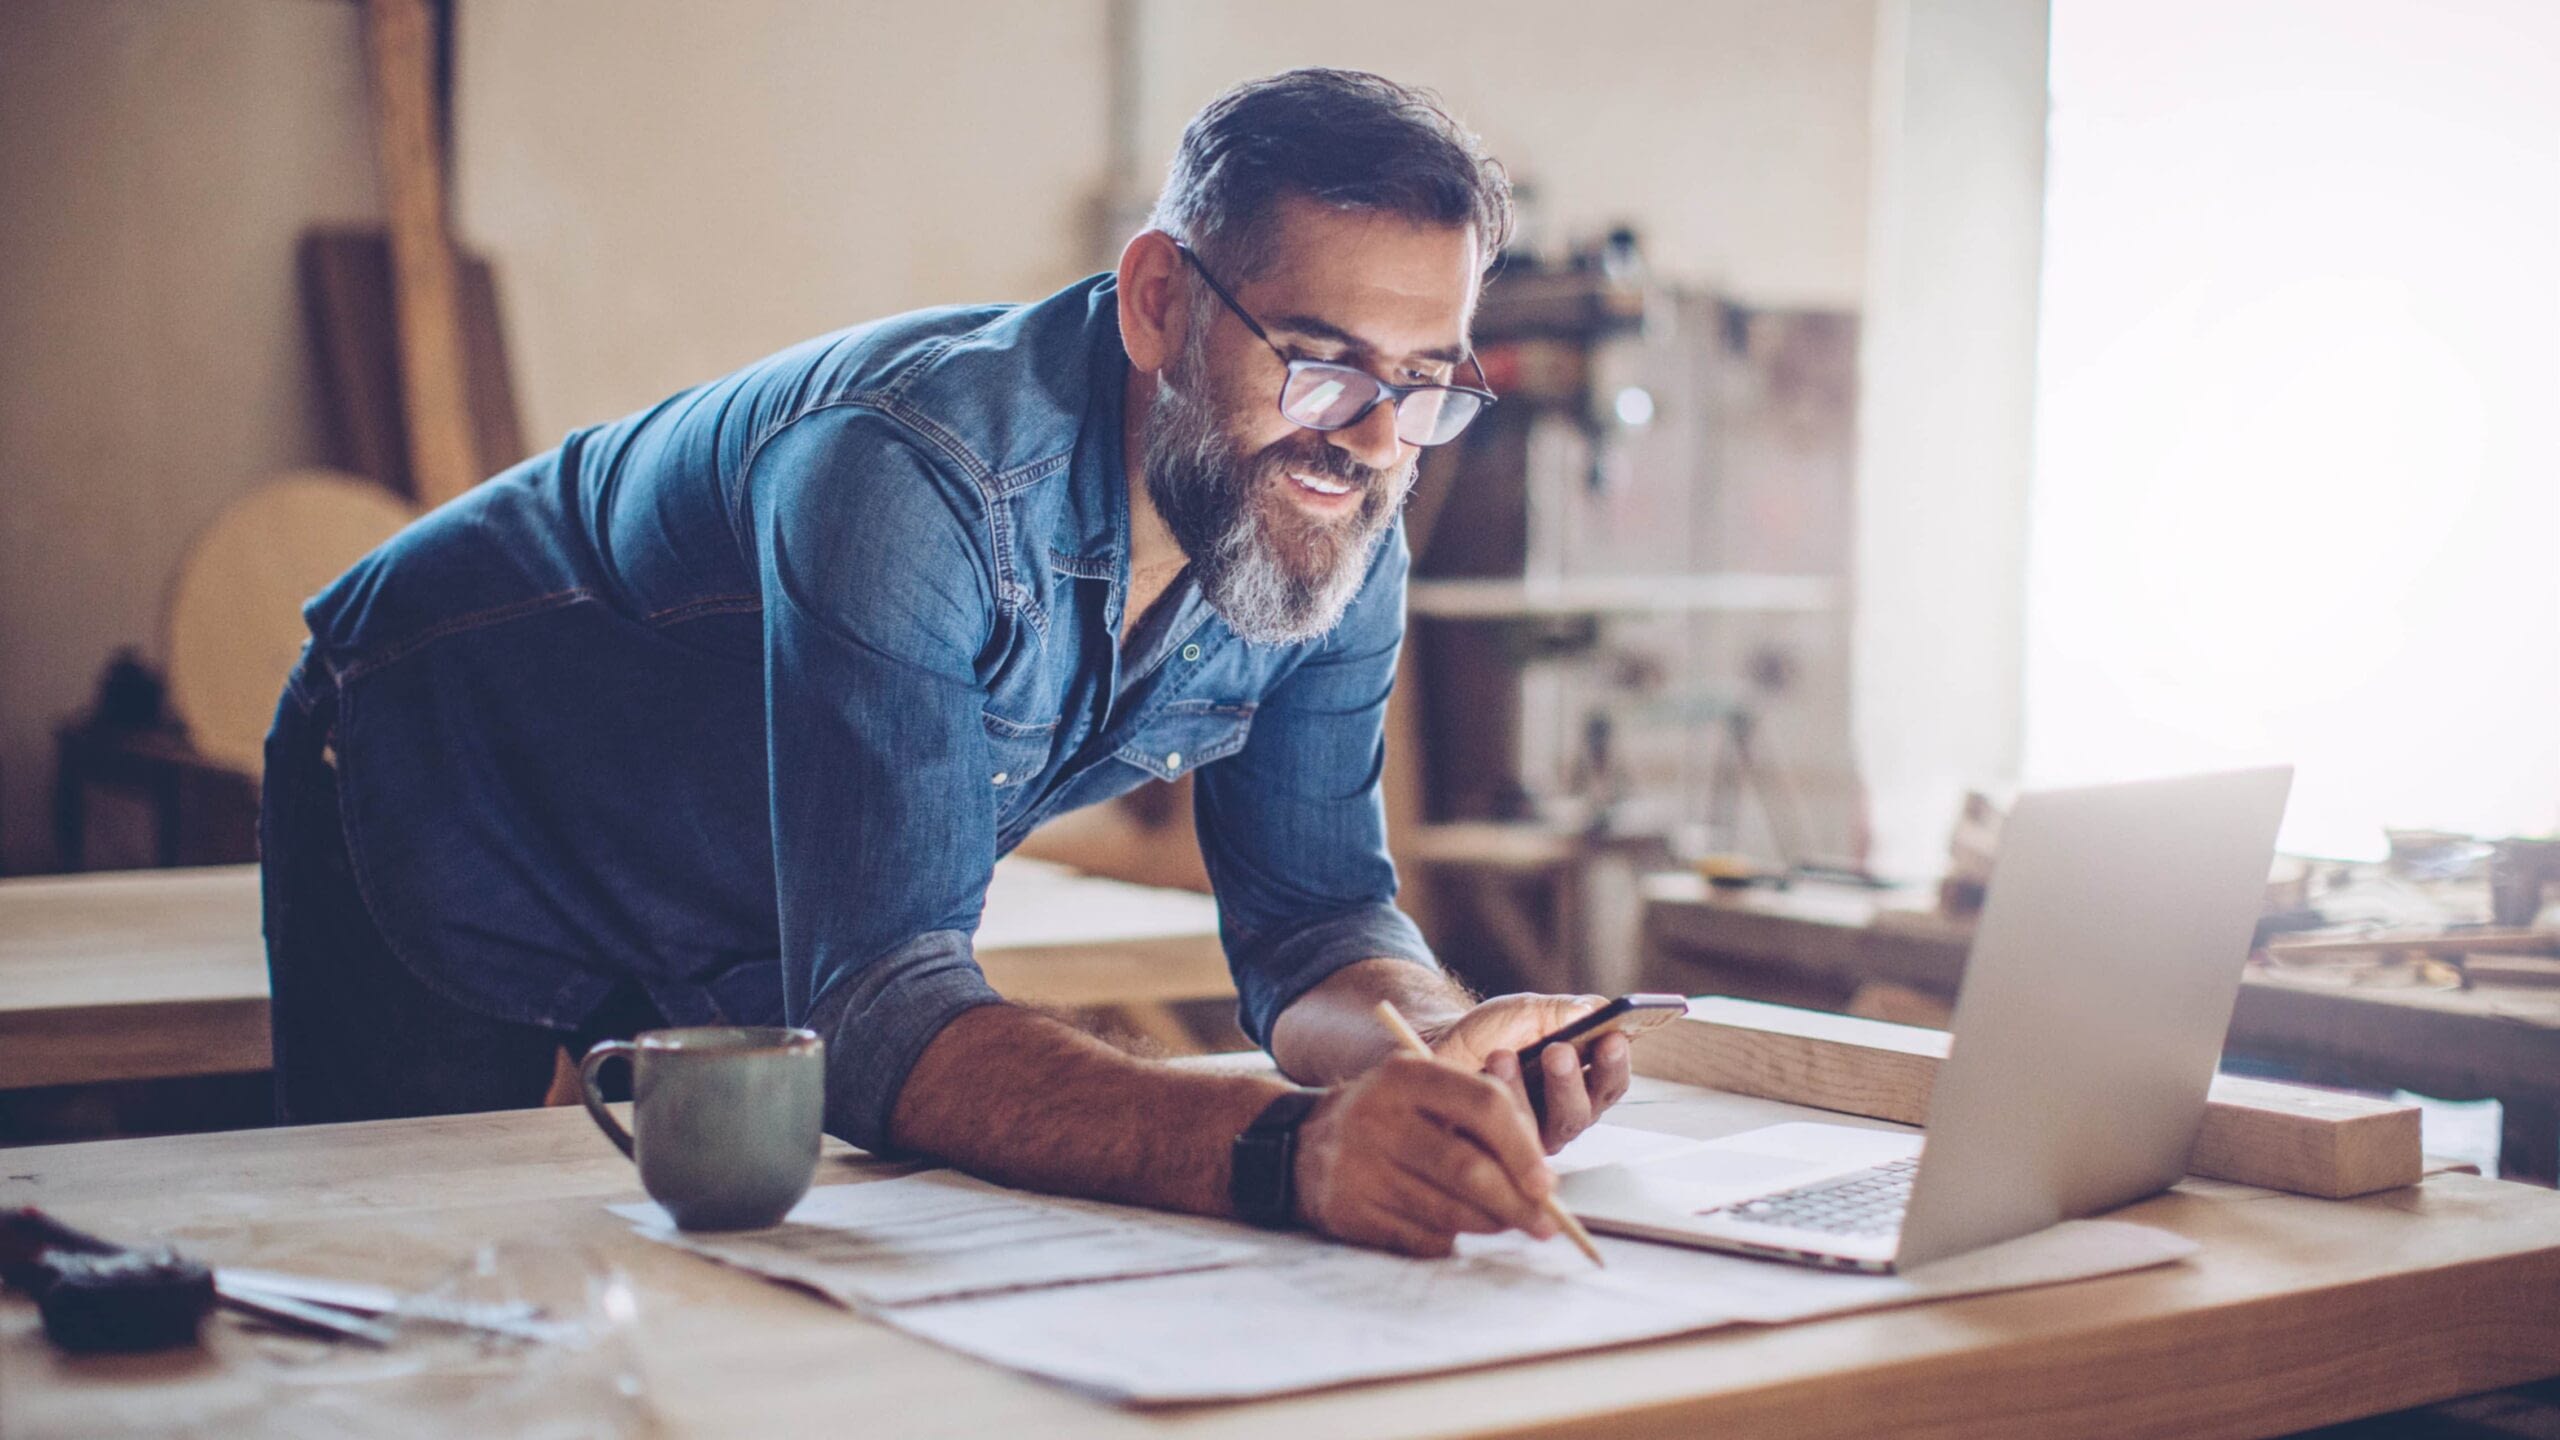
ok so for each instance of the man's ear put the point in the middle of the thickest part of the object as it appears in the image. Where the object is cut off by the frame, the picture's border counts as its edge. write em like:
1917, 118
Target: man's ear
1152, 309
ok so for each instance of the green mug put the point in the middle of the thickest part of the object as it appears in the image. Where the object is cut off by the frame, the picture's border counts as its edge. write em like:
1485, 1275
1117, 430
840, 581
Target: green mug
727, 1115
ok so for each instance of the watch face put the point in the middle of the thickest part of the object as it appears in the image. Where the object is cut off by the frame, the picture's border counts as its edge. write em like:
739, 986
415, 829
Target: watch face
1260, 1189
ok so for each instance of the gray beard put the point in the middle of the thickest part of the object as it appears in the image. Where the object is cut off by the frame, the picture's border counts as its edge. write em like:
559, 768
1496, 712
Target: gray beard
1276, 575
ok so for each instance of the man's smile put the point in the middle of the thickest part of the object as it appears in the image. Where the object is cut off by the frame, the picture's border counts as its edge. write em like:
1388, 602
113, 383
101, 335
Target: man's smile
1327, 492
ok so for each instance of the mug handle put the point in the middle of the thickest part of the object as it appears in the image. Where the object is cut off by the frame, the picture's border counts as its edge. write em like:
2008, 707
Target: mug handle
606, 1050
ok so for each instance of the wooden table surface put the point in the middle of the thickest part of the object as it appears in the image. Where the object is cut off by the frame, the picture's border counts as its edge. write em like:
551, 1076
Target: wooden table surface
155, 973
2495, 1042
2296, 1312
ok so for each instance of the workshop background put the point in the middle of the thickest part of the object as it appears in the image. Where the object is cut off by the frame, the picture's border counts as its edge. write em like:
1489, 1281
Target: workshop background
2099, 387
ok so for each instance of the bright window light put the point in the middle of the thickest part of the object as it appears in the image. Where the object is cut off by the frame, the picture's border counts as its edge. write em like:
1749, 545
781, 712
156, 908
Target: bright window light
2297, 489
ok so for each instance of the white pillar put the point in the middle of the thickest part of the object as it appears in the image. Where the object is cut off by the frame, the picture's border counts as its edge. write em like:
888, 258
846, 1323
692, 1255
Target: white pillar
1946, 410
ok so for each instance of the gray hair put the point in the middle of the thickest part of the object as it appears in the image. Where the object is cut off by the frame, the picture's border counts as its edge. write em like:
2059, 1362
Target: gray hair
1343, 138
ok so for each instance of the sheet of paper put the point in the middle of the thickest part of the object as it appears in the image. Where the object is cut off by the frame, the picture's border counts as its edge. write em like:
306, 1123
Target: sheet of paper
1148, 1308
1314, 1316
1767, 1292
941, 1234
1310, 1315
1606, 1144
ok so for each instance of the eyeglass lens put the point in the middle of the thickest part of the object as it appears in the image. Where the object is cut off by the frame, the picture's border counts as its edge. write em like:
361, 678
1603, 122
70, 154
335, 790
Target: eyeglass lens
1329, 397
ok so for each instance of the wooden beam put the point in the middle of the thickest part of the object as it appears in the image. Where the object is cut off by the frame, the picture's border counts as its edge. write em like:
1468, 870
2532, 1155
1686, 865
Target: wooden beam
400, 49
2256, 1132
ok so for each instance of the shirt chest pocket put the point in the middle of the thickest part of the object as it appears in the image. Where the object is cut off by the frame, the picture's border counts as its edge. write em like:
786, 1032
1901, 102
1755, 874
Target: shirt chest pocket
1186, 735
1017, 753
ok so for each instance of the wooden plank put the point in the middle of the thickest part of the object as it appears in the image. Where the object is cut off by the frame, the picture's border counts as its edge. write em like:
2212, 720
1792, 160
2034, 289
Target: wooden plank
348, 294
2434, 942
2493, 1041
355, 347
489, 382
93, 1045
1118, 972
1052, 936
131, 976
2294, 1313
2510, 970
400, 50
2312, 1142
158, 973
1841, 935
2256, 1132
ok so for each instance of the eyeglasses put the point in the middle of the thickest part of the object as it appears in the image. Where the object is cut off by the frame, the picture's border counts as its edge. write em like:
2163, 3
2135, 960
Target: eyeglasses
1321, 395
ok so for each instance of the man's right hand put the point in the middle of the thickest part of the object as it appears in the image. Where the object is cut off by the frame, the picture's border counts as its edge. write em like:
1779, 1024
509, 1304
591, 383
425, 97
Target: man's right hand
1414, 1153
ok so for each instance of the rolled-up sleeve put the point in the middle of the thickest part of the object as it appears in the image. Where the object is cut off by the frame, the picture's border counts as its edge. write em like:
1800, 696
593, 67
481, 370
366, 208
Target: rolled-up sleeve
1293, 826
877, 599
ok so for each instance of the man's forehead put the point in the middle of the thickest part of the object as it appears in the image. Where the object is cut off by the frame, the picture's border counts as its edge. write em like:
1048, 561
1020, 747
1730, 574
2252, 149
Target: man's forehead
1367, 281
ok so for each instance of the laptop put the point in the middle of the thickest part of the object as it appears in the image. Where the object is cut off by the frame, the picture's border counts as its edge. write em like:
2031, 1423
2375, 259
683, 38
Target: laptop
2087, 1030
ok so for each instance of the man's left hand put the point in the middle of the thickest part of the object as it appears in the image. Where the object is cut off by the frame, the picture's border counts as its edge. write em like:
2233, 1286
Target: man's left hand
1490, 1036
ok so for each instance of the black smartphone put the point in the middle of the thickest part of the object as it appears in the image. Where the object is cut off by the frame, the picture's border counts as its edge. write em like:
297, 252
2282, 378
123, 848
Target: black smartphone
1628, 1015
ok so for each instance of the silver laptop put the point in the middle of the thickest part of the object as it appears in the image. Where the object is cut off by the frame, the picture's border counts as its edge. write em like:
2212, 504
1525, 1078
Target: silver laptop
2089, 1026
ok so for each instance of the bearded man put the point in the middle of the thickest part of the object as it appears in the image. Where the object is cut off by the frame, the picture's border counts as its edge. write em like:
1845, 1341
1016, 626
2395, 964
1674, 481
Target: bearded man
723, 712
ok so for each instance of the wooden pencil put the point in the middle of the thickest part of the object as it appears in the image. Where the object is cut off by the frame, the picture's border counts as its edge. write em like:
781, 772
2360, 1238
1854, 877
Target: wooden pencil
1565, 1221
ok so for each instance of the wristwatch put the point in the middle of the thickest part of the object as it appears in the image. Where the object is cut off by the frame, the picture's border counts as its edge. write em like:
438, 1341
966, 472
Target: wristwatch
1263, 1183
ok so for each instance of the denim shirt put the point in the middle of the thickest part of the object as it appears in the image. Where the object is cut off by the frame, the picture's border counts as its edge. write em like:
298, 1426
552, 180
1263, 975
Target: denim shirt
741, 697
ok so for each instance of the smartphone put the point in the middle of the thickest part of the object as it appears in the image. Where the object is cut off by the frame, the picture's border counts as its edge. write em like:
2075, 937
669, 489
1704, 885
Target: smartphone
1628, 1015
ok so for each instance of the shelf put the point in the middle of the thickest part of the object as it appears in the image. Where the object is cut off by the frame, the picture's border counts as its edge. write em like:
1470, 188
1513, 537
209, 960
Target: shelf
1622, 595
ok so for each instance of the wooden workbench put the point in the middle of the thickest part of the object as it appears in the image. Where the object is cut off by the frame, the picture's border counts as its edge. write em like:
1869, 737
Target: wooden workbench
2296, 1313
154, 974
1815, 944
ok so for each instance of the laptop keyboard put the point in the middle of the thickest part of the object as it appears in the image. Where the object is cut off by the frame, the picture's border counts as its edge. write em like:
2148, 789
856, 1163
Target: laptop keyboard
1869, 1202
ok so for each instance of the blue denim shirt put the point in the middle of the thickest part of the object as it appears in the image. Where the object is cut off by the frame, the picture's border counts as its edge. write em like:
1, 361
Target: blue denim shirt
741, 697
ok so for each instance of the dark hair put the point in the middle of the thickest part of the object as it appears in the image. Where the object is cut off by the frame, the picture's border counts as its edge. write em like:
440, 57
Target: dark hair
1343, 138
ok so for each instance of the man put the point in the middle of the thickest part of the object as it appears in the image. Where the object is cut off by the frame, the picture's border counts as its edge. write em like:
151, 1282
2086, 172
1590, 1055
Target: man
724, 711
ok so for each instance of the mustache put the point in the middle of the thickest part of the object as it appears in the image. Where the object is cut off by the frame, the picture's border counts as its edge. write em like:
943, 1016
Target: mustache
1327, 462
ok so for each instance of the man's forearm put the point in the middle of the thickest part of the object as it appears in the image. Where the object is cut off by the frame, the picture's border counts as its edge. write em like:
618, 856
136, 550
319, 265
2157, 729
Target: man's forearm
1019, 1098
1331, 1033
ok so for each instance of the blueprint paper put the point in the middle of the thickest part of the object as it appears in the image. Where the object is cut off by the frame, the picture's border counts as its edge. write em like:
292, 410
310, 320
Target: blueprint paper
940, 1234
1148, 1308
1321, 1315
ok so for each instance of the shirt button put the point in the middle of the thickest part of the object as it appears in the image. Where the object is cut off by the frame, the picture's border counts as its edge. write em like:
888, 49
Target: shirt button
1002, 776
1173, 761
1190, 652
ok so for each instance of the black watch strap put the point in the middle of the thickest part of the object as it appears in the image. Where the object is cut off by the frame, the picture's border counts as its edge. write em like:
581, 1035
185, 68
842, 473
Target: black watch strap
1263, 1184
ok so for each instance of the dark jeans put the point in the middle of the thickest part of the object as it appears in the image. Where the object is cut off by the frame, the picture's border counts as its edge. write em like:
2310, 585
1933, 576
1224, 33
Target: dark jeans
357, 1036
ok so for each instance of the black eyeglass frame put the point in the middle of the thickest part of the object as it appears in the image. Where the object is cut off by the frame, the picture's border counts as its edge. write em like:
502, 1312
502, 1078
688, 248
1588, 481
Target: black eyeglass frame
1388, 393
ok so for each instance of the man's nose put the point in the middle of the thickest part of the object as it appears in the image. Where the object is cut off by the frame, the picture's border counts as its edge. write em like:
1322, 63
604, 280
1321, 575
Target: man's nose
1372, 440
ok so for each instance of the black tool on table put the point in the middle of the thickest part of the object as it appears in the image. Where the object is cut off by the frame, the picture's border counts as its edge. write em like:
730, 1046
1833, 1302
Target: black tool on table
96, 1295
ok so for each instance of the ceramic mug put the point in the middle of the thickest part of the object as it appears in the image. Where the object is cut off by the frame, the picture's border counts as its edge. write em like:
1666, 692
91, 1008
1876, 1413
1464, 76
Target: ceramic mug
727, 1115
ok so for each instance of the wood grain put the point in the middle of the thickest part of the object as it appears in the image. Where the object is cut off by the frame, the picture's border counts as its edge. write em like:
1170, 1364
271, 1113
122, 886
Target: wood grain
2255, 1132
131, 977
235, 628
2295, 1313
354, 323
2459, 942
443, 446
158, 973
1814, 945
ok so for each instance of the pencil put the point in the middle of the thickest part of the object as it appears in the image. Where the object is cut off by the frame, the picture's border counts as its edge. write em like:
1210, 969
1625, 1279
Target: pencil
1412, 1043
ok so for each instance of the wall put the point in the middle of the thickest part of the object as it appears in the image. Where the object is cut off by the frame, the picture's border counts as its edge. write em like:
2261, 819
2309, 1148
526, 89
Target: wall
2298, 485
707, 185
157, 161
672, 189
1946, 411
1733, 133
